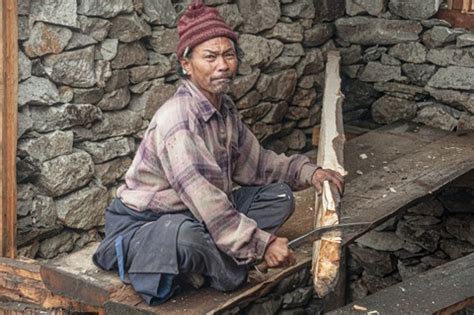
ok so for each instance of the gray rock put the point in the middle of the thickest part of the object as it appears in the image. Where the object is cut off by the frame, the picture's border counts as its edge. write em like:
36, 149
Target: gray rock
108, 173
373, 53
164, 40
249, 100
351, 55
277, 86
388, 109
465, 40
103, 72
142, 73
129, 28
255, 113
457, 99
312, 63
129, 55
61, 243
433, 261
86, 238
108, 149
66, 173
461, 227
359, 7
25, 123
37, 91
358, 94
150, 101
258, 50
297, 298
26, 169
431, 207
409, 92
437, 117
328, 10
409, 52
435, 22
418, 74
377, 72
456, 249
286, 32
421, 220
113, 124
376, 283
408, 270
283, 63
304, 97
25, 195
46, 39
276, 113
439, 36
118, 80
375, 262
374, 31
258, 15
268, 305
383, 241
87, 96
242, 84
108, 48
63, 116
318, 34
296, 140
46, 146
60, 12
452, 57
141, 87
231, 14
299, 9
23, 27
23, 7
104, 8
97, 28
74, 68
428, 239
314, 118
465, 122
357, 290
159, 12
389, 60
263, 131
66, 94
29, 251
414, 10
115, 100
79, 40
84, 208
453, 77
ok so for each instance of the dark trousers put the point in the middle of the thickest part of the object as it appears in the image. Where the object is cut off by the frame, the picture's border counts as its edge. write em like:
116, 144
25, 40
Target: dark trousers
270, 206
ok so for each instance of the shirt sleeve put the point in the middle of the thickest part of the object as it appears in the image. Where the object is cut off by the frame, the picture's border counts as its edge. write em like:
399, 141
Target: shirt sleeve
194, 173
255, 165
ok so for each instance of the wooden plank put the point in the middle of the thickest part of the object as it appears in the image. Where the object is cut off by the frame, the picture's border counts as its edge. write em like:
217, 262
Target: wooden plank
8, 129
350, 132
442, 290
327, 251
406, 180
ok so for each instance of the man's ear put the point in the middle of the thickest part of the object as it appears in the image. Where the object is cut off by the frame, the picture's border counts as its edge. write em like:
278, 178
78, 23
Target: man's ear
185, 64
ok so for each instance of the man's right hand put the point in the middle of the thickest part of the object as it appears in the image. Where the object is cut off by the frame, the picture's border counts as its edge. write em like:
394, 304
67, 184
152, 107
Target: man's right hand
278, 254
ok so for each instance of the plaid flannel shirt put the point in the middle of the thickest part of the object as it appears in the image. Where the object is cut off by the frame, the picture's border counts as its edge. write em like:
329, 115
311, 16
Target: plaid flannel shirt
189, 158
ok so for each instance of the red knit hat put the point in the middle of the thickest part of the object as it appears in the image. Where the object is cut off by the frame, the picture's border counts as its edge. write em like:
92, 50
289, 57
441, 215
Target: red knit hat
200, 23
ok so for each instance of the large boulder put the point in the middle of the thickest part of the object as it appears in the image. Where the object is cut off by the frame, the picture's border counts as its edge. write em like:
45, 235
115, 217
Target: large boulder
258, 15
414, 9
46, 39
59, 12
37, 91
277, 86
453, 77
388, 109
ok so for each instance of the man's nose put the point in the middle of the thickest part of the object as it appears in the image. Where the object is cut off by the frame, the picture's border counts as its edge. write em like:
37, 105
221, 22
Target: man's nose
222, 64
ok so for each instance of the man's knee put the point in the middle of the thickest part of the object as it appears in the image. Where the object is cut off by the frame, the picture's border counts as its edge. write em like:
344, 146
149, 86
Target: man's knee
286, 200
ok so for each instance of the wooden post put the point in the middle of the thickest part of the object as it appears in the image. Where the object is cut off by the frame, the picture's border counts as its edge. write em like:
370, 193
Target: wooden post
327, 251
8, 128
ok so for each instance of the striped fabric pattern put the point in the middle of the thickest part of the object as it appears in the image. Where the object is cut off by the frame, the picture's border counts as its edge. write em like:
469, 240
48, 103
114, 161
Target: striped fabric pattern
190, 157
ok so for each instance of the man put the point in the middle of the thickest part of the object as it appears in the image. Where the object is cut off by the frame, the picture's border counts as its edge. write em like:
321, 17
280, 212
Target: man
177, 213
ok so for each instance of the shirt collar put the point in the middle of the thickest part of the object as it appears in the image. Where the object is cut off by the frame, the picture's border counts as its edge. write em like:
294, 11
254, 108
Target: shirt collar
205, 106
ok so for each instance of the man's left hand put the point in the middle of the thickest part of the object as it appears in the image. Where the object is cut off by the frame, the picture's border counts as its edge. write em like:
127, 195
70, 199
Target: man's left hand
331, 176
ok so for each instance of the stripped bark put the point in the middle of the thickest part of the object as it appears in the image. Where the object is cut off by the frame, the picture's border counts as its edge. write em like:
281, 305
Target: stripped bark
327, 251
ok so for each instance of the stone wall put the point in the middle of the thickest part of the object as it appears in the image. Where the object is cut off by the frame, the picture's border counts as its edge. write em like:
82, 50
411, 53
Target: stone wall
93, 73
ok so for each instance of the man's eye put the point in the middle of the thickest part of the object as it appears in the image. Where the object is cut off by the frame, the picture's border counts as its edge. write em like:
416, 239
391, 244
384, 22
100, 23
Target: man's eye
210, 57
229, 55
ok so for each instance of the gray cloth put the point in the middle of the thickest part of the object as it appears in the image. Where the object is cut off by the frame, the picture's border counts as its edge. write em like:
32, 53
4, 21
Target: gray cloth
158, 247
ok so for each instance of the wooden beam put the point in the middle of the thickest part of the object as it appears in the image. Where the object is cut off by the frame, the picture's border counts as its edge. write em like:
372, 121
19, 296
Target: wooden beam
8, 129
327, 251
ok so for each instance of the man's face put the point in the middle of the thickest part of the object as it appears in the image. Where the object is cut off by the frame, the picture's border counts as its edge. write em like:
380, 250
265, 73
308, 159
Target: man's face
212, 65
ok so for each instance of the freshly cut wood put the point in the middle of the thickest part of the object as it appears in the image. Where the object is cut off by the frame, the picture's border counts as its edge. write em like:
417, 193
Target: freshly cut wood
327, 251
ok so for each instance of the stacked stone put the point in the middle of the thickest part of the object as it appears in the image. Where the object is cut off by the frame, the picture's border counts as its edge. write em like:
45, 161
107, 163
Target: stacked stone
92, 73
410, 67
429, 234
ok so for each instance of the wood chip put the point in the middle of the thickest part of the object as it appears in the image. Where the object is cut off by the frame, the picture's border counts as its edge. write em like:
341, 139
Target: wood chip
359, 308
